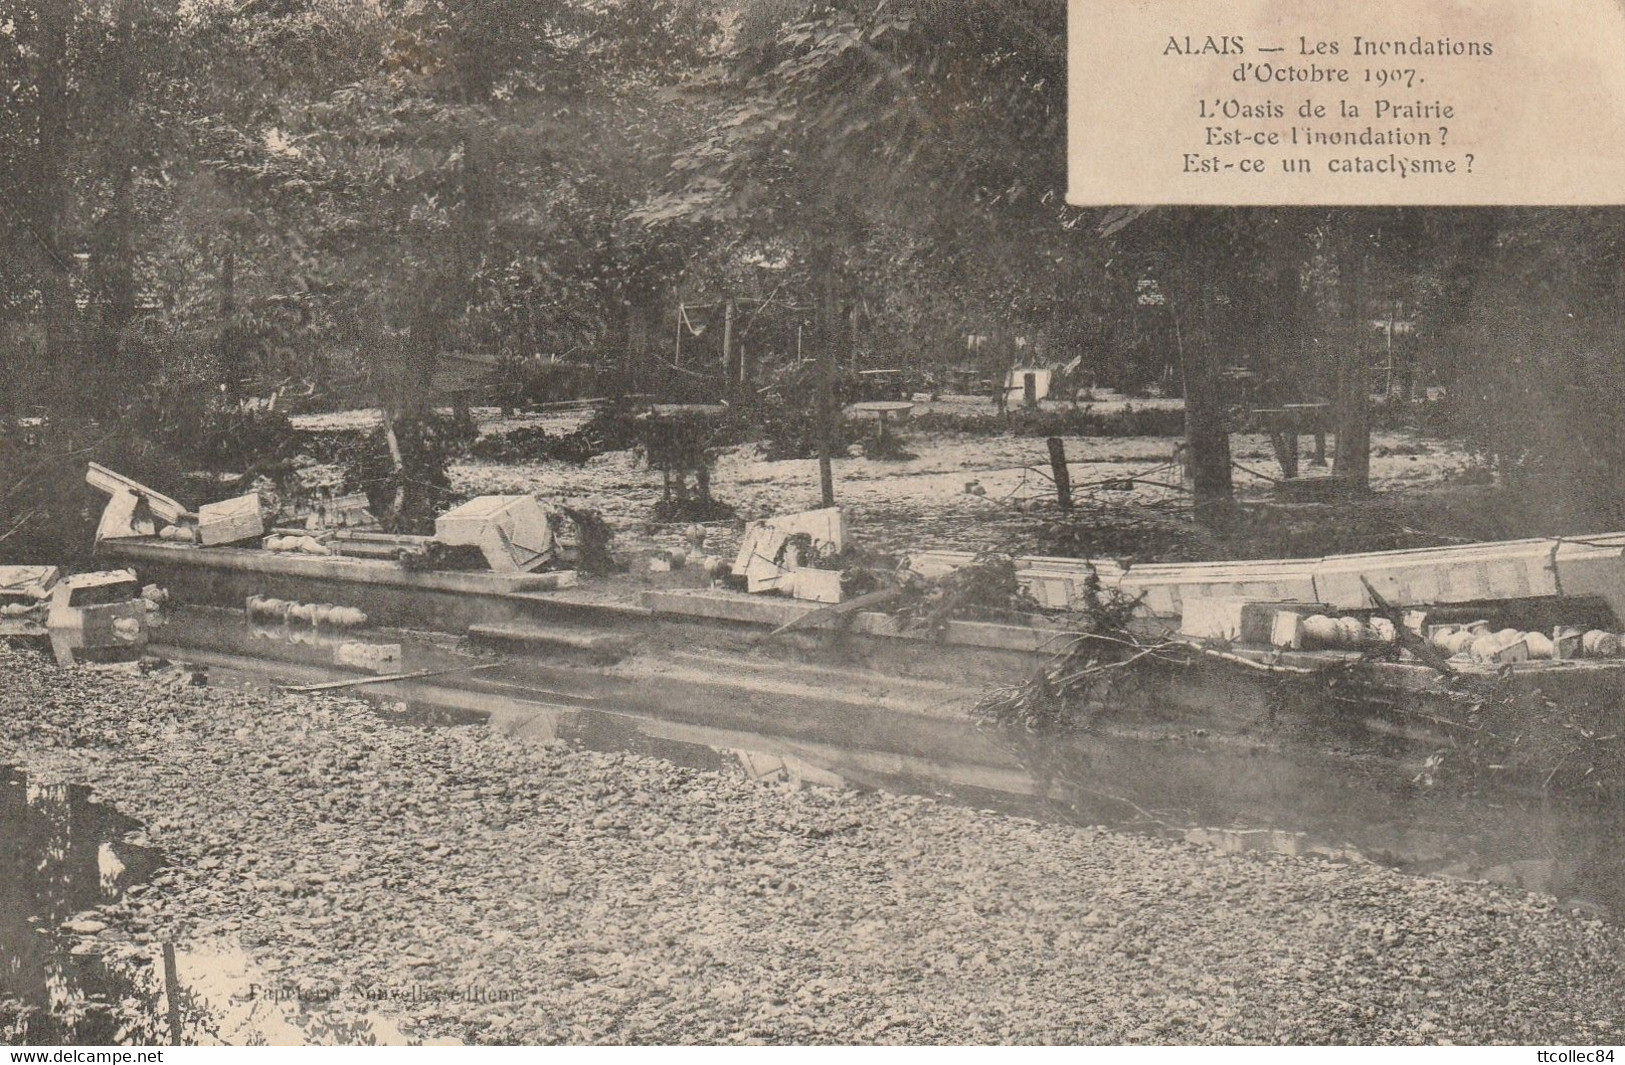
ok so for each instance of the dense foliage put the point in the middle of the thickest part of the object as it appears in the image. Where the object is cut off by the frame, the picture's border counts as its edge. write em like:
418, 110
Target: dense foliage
341, 202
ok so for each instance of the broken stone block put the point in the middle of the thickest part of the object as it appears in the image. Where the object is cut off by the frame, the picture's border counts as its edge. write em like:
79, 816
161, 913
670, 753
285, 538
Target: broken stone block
816, 585
230, 521
511, 531
97, 617
1286, 631
761, 553
1237, 619
27, 584
370, 657
132, 508
1566, 642
121, 519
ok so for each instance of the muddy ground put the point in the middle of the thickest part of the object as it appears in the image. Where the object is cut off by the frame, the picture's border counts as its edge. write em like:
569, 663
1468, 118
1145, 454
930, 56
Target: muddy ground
990, 490
613, 898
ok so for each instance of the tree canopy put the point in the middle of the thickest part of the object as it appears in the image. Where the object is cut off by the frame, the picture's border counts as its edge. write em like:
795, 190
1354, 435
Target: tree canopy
353, 192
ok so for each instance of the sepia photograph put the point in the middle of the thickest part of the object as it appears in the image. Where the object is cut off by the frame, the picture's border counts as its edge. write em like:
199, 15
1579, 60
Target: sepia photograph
807, 522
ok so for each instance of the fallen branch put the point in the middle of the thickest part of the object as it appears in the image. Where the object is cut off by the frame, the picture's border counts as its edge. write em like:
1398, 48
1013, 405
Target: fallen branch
1097, 670
1261, 667
815, 618
1418, 647
18, 525
383, 678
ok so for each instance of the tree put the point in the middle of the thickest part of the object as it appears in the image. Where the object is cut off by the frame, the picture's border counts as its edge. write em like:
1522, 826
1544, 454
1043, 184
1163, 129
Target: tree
419, 178
845, 128
1531, 316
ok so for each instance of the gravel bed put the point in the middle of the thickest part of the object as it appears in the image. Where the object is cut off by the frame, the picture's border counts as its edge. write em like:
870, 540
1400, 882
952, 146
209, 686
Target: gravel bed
615, 898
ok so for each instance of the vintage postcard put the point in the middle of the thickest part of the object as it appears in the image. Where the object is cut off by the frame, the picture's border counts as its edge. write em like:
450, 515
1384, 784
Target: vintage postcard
909, 523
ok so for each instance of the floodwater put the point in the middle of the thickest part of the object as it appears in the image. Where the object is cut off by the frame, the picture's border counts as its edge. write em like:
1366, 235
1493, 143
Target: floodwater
1217, 796
1214, 794
64, 855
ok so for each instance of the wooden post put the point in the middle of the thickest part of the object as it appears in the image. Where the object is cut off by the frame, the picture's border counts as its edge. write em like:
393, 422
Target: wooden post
1285, 445
1352, 456
728, 310
1029, 390
1206, 435
852, 338
826, 436
825, 325
172, 992
1063, 478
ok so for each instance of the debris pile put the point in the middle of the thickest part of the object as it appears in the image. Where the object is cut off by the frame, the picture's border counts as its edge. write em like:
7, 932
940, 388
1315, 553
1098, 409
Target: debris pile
511, 533
25, 594
793, 555
99, 617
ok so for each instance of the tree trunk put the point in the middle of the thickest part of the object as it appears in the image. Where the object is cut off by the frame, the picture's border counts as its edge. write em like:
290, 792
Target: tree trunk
642, 326
118, 307
1206, 434
117, 268
1352, 457
50, 165
397, 504
823, 265
1280, 359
